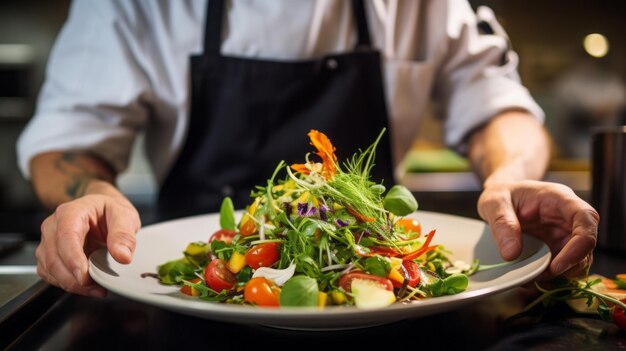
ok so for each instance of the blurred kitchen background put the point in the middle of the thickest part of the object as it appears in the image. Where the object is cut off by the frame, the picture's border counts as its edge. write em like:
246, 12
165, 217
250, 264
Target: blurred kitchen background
572, 59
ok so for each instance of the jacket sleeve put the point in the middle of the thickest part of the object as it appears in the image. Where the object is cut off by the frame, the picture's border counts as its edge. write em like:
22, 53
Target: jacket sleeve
478, 78
95, 95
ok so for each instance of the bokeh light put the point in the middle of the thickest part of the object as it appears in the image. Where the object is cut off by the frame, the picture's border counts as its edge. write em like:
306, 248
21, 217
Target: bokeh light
596, 45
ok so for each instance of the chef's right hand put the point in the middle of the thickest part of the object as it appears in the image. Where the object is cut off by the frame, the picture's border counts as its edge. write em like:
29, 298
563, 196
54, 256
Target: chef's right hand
77, 228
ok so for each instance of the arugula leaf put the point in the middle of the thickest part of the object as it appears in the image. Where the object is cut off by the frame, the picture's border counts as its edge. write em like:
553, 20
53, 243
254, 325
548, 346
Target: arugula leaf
244, 275
174, 272
222, 250
572, 289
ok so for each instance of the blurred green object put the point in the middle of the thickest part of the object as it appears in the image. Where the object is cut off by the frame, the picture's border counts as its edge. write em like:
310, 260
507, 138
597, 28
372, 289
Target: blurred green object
435, 160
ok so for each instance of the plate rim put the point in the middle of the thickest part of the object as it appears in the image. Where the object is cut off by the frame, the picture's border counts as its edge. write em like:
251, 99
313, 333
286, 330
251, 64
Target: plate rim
283, 317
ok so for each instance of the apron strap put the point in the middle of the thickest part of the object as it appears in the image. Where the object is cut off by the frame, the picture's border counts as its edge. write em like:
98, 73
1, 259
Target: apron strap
358, 11
213, 26
214, 17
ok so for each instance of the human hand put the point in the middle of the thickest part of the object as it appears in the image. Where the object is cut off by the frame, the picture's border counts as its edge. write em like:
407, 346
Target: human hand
551, 212
76, 229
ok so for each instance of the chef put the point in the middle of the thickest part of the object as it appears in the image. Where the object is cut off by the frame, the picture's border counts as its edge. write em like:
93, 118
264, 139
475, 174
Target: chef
225, 89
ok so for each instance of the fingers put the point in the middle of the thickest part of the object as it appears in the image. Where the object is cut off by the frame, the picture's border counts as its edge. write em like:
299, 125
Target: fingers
77, 228
496, 208
71, 230
577, 251
565, 222
122, 226
52, 267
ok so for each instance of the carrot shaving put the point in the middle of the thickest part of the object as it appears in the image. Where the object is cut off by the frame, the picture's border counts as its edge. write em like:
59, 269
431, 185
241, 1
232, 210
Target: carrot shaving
359, 216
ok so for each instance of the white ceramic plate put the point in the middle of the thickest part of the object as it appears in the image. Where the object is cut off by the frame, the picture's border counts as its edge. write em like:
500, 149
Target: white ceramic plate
465, 238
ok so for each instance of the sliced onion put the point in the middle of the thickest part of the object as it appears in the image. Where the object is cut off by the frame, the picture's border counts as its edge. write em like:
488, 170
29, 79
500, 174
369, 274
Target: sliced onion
348, 269
332, 267
278, 276
262, 232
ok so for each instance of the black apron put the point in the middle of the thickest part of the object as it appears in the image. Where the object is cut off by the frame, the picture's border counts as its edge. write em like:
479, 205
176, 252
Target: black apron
247, 115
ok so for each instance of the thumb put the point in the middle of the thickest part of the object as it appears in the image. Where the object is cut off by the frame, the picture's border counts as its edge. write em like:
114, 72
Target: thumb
498, 212
122, 226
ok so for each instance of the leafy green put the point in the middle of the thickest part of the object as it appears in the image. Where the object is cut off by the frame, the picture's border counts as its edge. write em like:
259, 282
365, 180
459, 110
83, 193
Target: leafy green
451, 285
477, 267
377, 265
400, 201
227, 214
299, 291
567, 289
222, 250
378, 189
174, 272
207, 293
244, 275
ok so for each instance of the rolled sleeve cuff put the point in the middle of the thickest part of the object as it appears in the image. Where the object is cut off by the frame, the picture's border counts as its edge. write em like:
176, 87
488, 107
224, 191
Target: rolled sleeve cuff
60, 133
477, 103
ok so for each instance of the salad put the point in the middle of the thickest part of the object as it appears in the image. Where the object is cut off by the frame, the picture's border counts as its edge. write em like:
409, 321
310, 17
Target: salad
317, 234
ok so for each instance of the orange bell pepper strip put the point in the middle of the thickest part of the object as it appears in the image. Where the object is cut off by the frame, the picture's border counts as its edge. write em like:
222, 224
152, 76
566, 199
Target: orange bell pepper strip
422, 250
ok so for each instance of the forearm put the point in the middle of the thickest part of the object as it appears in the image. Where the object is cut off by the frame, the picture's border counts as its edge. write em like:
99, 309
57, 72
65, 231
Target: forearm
59, 177
513, 146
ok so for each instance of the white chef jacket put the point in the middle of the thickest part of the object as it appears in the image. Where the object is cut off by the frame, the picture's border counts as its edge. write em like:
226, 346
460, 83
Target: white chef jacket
119, 67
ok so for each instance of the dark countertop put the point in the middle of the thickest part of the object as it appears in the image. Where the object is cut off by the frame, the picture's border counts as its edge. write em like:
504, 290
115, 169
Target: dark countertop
54, 320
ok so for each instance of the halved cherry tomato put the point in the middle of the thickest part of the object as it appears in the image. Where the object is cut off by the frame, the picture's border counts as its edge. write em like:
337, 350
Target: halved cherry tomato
218, 277
263, 255
411, 226
248, 228
261, 292
248, 225
345, 281
413, 270
619, 316
225, 235
188, 290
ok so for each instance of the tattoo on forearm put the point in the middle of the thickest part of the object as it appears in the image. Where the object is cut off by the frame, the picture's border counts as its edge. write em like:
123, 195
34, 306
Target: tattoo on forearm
76, 187
78, 176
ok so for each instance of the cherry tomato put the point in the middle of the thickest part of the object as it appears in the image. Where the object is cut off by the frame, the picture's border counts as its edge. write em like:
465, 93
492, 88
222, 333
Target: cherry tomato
248, 224
248, 228
411, 226
619, 318
225, 235
345, 281
261, 292
218, 277
188, 290
413, 270
263, 255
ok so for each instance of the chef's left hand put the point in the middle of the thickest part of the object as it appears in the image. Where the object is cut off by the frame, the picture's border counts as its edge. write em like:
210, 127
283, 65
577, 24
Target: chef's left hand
551, 212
